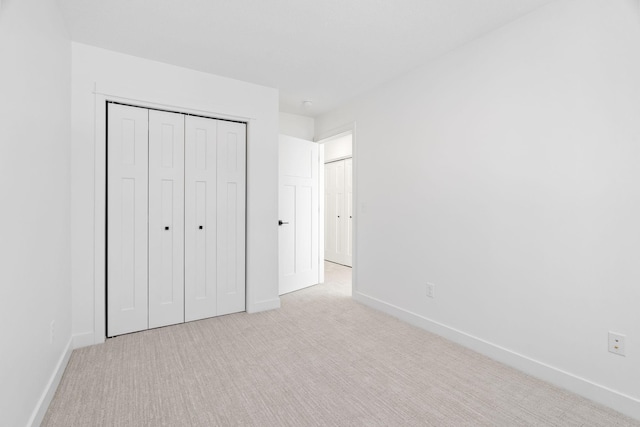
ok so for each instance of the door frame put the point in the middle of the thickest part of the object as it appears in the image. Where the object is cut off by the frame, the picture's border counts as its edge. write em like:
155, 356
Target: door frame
346, 128
100, 195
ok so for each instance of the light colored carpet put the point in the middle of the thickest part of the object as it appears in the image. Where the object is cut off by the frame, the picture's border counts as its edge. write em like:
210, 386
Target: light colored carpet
322, 359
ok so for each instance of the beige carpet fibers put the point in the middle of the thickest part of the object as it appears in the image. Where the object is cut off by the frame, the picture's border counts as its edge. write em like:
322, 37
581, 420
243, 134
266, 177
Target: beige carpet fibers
321, 360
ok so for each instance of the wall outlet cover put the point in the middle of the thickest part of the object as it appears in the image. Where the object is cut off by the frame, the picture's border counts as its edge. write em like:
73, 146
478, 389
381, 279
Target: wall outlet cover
617, 343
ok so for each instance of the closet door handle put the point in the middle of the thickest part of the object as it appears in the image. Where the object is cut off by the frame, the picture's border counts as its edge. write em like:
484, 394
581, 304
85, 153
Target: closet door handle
166, 227
200, 227
280, 222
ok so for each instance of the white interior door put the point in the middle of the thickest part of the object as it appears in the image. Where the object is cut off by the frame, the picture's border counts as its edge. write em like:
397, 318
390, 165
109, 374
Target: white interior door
338, 211
127, 181
200, 218
166, 218
231, 199
298, 210
330, 213
348, 218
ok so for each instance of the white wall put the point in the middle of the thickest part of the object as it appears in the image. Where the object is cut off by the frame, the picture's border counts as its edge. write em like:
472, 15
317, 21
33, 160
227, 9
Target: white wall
35, 289
138, 80
297, 126
507, 173
337, 148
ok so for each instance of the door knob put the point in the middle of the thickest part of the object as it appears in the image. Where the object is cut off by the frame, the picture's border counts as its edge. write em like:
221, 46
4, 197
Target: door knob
200, 227
166, 227
280, 222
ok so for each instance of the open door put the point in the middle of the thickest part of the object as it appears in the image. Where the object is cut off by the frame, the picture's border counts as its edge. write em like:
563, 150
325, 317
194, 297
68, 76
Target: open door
299, 223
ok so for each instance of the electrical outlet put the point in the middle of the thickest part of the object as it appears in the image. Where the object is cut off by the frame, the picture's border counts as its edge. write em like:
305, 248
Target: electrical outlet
617, 343
431, 290
52, 331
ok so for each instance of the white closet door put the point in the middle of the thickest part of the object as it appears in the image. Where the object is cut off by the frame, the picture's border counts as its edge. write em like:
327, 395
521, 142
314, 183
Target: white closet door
127, 180
338, 211
341, 243
330, 215
231, 176
166, 218
200, 218
348, 202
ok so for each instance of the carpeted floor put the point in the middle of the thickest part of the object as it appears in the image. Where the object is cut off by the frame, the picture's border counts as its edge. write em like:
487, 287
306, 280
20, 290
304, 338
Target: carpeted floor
321, 360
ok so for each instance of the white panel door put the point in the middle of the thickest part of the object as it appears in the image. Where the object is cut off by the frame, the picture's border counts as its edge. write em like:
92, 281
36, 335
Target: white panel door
348, 214
330, 213
231, 200
338, 211
298, 211
200, 218
166, 218
127, 180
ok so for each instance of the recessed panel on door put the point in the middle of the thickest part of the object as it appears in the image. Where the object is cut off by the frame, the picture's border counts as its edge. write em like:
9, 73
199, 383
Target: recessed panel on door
200, 220
127, 180
166, 218
287, 235
231, 182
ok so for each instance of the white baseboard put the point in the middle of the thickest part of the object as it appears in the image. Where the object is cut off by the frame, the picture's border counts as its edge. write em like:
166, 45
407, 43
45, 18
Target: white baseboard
47, 395
83, 340
621, 402
270, 304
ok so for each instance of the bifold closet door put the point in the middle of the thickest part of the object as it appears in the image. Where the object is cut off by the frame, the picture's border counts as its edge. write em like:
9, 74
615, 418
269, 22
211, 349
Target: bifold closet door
334, 212
166, 218
339, 211
127, 181
200, 221
348, 203
175, 220
215, 168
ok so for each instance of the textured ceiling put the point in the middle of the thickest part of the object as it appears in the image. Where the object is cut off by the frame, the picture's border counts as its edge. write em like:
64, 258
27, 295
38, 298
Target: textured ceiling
327, 51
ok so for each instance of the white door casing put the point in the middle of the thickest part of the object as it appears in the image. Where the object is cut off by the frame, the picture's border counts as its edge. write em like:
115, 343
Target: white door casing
166, 218
298, 211
127, 156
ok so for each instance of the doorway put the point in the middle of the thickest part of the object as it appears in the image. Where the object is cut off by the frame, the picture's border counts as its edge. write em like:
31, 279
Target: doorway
175, 198
338, 199
303, 225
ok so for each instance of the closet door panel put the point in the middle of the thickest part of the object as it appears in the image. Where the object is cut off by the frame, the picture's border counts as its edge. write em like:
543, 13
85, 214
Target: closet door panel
127, 180
339, 211
231, 180
166, 218
200, 218
331, 213
341, 246
348, 202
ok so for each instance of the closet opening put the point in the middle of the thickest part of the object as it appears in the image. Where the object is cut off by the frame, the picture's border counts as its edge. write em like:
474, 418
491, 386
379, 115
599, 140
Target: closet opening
338, 198
175, 217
